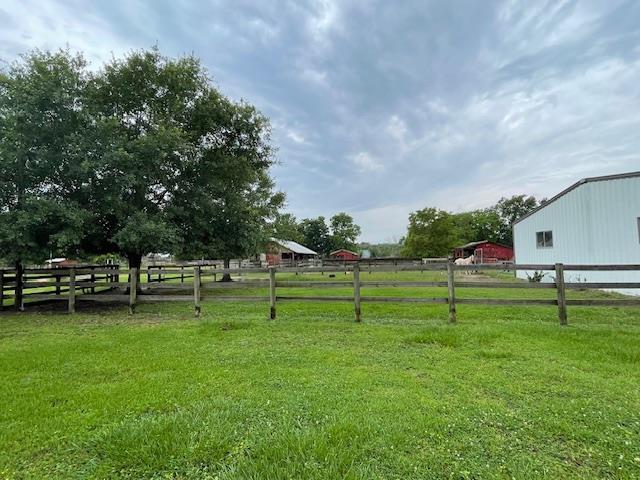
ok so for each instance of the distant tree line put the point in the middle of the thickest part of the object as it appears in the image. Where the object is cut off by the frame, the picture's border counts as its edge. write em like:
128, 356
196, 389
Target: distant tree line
381, 250
434, 233
143, 155
316, 234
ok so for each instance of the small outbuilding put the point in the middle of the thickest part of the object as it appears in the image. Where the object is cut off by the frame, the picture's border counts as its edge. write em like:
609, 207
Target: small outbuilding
485, 252
344, 254
288, 252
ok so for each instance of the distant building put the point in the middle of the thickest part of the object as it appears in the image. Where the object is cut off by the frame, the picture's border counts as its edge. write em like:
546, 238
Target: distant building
344, 254
366, 253
484, 252
595, 221
288, 252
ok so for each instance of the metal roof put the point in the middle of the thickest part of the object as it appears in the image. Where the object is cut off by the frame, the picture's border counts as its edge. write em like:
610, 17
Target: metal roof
603, 178
295, 247
342, 250
473, 244
480, 242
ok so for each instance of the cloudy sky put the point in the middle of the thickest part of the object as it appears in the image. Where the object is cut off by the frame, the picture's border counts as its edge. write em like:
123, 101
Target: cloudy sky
380, 108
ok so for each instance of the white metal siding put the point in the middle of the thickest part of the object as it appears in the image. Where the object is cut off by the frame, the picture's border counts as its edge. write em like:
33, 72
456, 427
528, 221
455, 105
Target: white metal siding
596, 223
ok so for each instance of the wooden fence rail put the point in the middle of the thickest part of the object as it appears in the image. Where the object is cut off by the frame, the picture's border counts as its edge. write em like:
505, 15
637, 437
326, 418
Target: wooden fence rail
43, 284
73, 284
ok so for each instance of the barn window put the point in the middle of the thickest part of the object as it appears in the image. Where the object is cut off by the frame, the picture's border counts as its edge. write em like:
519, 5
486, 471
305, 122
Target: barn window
544, 239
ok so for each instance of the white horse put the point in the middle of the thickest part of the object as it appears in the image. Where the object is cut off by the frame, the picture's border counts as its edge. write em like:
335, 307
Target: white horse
470, 260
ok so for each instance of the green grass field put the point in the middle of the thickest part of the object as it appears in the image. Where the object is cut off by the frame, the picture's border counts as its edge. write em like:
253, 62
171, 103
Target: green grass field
505, 393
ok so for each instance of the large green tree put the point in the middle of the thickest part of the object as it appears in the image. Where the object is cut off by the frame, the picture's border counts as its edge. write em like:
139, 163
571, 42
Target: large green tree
431, 233
41, 162
484, 224
178, 167
142, 107
344, 232
143, 155
341, 232
316, 235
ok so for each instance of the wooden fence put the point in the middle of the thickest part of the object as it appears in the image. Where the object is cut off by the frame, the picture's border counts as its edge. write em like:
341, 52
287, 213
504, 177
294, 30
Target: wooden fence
104, 285
38, 284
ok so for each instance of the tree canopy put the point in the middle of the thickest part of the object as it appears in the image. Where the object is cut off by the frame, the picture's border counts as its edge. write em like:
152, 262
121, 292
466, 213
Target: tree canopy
434, 233
144, 155
431, 233
41, 162
315, 233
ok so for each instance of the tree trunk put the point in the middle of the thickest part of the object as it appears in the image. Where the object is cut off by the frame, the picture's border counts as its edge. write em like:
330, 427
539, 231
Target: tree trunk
227, 276
18, 297
135, 261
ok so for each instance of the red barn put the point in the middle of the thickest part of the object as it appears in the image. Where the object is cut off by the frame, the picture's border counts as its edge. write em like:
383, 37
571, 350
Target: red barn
344, 254
485, 252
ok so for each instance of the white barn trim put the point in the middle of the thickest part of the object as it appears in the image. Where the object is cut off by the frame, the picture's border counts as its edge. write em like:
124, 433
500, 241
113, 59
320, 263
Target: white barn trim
595, 221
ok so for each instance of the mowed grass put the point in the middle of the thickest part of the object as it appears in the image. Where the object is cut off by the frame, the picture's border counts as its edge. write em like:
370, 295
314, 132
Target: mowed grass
504, 393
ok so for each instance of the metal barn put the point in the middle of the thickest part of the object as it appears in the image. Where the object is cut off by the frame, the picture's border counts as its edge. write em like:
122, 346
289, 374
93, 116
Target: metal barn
594, 221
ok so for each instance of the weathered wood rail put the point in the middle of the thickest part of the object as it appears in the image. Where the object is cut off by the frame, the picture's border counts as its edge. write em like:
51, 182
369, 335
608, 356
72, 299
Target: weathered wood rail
44, 284
103, 284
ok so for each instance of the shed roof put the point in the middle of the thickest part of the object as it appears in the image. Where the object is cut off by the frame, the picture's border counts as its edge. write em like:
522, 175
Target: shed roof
342, 250
602, 178
480, 242
295, 247
473, 244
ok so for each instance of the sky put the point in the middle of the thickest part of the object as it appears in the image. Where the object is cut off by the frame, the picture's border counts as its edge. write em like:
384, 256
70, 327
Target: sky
381, 108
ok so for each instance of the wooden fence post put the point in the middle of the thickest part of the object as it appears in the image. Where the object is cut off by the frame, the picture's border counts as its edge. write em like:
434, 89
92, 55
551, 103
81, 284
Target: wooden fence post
1, 289
452, 291
18, 301
133, 289
182, 274
93, 280
562, 296
196, 290
272, 293
356, 291
72, 290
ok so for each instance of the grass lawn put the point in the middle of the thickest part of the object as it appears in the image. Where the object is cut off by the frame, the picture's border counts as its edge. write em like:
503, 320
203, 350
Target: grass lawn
505, 393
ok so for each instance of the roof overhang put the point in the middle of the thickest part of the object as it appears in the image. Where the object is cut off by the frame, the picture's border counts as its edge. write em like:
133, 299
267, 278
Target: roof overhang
603, 178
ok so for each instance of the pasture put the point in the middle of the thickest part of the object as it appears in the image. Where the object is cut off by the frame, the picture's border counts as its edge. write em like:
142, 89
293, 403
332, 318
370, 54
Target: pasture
504, 393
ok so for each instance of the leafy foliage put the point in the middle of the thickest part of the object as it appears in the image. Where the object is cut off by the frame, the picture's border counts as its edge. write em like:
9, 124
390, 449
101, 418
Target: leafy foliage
315, 233
344, 232
285, 227
431, 233
510, 210
41, 162
379, 250
144, 155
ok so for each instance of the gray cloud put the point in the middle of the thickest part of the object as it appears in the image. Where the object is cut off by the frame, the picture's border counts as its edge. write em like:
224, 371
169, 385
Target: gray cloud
381, 108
